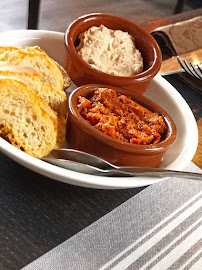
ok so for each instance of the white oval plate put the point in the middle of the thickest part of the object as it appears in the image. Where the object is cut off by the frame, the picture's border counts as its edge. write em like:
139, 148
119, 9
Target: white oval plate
160, 91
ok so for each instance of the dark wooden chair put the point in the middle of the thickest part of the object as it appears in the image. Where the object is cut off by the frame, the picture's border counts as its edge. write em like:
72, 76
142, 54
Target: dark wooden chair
179, 6
33, 14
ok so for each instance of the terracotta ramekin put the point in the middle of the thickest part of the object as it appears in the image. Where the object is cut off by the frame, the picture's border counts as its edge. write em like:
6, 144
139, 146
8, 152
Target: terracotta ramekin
81, 73
84, 137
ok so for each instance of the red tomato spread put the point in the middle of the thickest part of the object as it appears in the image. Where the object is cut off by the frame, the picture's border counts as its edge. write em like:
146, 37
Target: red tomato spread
120, 117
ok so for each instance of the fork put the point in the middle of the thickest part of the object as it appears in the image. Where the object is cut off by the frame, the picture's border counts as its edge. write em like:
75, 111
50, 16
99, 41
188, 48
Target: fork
190, 69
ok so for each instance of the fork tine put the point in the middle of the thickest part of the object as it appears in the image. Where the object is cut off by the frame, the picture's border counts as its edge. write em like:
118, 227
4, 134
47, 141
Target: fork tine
199, 68
188, 67
183, 66
195, 71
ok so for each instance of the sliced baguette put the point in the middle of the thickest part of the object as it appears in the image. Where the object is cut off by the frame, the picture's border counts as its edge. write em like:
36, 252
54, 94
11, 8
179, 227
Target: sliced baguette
56, 99
40, 62
5, 51
66, 78
26, 120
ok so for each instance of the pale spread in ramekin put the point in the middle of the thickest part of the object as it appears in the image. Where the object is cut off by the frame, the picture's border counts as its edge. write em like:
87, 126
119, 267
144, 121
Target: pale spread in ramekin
110, 51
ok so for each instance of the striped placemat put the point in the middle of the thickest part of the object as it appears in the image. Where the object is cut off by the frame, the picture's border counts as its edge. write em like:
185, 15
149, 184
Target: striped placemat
159, 228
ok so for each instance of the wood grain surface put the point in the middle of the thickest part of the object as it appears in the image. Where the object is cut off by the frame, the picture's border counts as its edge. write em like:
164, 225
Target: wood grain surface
150, 26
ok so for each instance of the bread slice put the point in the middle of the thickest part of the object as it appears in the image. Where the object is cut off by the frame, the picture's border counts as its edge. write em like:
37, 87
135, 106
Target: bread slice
66, 78
6, 53
26, 120
41, 63
4, 49
56, 99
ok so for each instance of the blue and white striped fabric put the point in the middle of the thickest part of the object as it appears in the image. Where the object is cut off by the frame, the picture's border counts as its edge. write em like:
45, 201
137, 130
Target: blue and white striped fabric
159, 228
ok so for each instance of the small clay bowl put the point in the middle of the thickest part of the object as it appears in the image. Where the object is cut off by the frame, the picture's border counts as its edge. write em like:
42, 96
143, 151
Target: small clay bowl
81, 73
81, 135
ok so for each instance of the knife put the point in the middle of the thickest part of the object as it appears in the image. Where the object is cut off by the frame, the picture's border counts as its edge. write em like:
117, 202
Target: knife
171, 65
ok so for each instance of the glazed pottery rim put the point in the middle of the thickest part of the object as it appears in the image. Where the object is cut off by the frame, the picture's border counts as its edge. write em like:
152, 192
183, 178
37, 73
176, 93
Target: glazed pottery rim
147, 74
82, 124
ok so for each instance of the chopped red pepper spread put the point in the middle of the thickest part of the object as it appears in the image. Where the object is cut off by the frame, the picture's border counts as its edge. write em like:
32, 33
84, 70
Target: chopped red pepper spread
121, 117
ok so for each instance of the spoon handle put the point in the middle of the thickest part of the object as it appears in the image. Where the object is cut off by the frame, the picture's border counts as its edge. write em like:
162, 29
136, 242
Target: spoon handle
86, 163
77, 166
157, 172
122, 171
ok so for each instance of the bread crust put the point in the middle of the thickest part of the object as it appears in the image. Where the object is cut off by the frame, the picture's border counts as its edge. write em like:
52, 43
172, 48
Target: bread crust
32, 67
24, 57
56, 99
26, 120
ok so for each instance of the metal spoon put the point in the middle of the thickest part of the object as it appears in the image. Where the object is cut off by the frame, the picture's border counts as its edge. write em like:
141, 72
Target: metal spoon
86, 163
